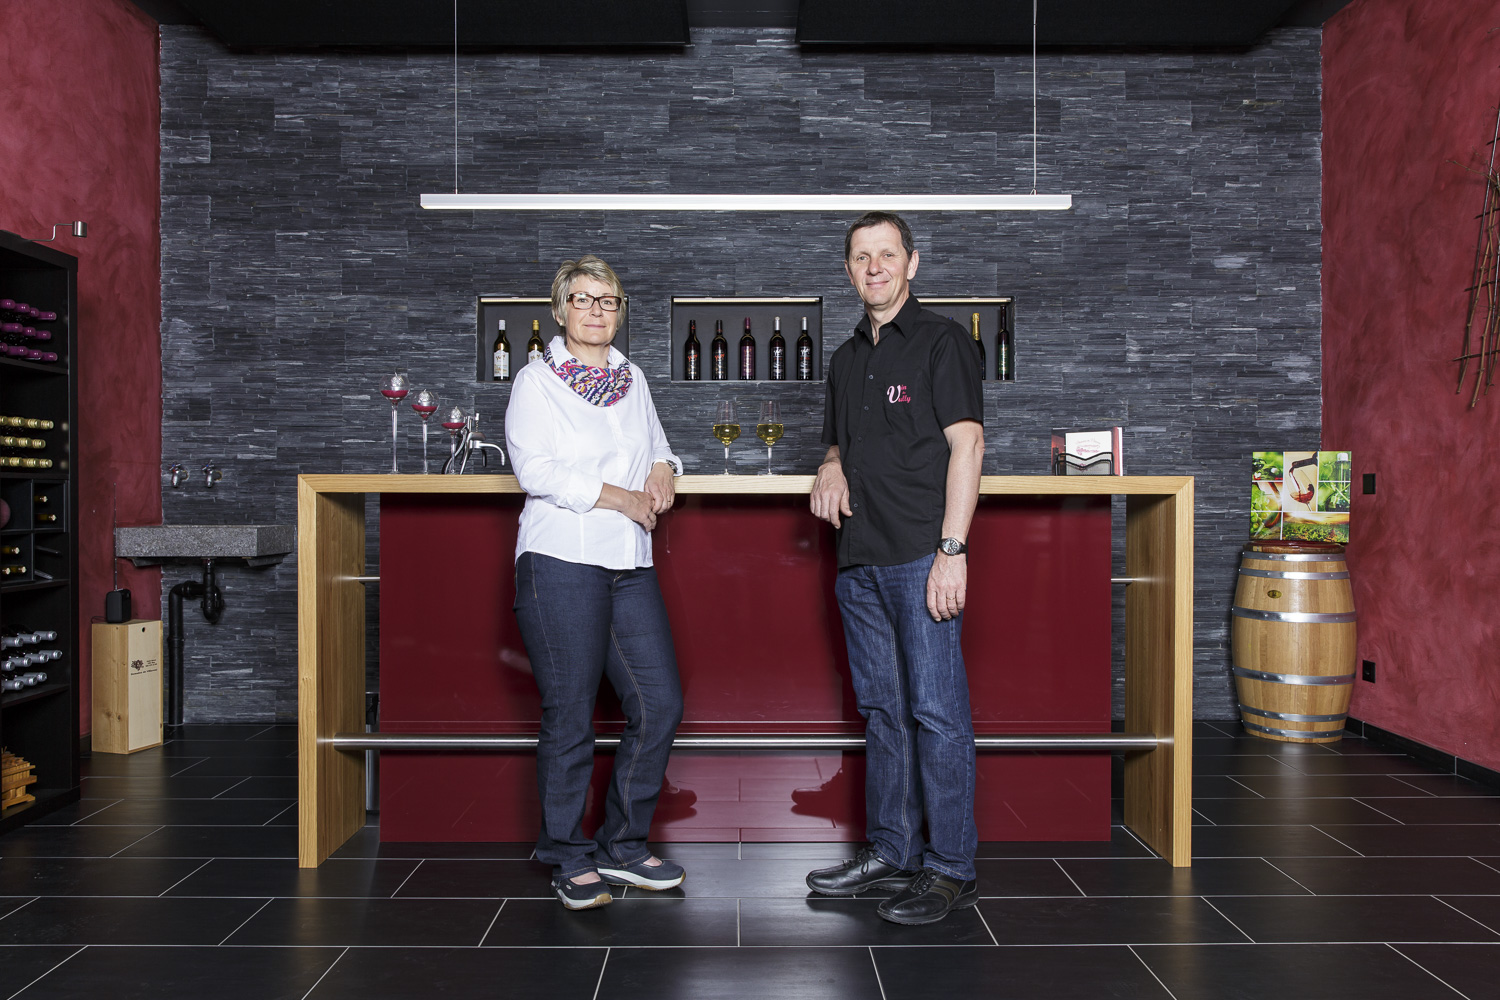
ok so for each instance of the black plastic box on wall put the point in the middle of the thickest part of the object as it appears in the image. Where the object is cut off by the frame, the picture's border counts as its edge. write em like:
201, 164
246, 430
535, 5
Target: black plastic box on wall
762, 313
519, 313
996, 313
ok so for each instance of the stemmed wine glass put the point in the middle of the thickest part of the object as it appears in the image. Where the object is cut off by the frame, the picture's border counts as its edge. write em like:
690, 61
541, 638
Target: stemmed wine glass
454, 420
726, 429
395, 389
769, 428
425, 404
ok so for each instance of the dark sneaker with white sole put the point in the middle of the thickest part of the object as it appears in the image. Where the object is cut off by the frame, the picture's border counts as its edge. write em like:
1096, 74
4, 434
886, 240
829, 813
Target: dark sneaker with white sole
850, 878
581, 897
929, 897
654, 877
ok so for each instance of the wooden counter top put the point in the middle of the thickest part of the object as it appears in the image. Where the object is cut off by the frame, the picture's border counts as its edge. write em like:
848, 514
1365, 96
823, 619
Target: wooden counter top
988, 485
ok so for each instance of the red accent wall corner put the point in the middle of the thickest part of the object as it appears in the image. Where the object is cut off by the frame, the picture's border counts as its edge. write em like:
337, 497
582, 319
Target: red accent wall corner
81, 141
1409, 95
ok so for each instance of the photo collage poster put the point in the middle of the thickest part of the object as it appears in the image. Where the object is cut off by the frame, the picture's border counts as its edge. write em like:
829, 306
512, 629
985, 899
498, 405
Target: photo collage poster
1300, 495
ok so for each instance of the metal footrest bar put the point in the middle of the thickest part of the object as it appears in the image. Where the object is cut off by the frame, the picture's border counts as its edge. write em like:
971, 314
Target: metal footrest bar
1112, 742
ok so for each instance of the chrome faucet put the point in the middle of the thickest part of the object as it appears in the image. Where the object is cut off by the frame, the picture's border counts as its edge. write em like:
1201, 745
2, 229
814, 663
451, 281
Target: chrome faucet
471, 442
178, 474
211, 475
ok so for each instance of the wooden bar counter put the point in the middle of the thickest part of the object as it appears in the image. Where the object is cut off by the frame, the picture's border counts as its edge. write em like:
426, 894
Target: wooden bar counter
1158, 640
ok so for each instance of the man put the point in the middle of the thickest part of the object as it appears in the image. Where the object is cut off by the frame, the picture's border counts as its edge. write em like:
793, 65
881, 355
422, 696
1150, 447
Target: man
904, 425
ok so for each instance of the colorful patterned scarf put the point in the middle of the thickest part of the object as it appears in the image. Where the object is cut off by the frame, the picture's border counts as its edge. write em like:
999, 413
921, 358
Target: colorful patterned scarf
600, 386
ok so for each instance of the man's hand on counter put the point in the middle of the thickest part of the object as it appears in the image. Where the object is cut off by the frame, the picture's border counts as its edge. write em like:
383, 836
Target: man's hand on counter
830, 492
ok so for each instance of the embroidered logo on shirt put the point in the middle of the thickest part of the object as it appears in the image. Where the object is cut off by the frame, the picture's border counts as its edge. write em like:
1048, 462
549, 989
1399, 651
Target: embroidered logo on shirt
897, 394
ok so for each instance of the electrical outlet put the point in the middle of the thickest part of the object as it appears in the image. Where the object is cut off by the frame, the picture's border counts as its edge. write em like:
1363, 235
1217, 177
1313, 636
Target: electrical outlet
1367, 670
1369, 482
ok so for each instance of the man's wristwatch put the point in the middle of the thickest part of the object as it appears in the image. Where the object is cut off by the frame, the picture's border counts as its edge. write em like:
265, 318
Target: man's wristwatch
952, 547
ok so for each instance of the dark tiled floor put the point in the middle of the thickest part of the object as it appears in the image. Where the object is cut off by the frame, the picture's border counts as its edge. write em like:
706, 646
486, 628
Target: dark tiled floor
1338, 871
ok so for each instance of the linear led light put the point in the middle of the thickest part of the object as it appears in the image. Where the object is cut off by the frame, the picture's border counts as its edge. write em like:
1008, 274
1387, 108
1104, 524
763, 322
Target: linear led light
750, 202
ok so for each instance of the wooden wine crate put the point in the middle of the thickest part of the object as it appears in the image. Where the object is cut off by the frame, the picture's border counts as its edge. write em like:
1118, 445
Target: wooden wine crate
127, 686
15, 774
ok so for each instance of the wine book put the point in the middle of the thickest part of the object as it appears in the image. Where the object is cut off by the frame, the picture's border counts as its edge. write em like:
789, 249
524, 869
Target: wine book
1088, 453
1300, 494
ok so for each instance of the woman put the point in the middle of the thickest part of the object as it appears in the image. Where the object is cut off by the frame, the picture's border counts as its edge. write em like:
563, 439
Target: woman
587, 447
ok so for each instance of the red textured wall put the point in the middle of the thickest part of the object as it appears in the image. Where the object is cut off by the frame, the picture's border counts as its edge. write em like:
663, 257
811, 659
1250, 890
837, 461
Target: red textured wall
79, 130
1409, 85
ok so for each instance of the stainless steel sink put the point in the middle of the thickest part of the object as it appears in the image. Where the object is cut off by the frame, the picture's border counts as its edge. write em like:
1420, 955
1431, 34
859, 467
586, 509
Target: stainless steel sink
257, 544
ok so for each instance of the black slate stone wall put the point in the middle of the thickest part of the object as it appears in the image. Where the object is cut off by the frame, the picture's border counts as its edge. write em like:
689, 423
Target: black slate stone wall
1179, 298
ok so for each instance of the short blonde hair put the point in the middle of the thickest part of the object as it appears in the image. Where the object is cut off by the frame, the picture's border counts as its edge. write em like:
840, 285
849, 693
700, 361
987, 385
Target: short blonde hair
587, 266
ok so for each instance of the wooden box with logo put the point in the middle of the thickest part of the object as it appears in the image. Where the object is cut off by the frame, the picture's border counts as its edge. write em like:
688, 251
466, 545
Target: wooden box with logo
127, 686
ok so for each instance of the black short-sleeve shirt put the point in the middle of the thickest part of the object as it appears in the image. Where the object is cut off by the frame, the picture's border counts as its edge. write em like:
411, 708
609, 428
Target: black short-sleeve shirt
887, 406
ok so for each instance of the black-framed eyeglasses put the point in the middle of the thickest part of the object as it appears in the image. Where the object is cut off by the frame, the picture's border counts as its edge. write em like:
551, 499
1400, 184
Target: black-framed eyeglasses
583, 300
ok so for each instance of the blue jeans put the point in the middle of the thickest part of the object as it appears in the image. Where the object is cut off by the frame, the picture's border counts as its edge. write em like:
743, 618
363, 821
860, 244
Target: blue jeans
909, 681
580, 622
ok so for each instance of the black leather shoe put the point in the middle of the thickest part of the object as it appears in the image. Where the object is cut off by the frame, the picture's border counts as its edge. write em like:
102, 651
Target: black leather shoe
851, 878
929, 898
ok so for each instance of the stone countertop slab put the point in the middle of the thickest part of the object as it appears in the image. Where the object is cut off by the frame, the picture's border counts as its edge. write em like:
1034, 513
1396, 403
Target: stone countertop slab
258, 544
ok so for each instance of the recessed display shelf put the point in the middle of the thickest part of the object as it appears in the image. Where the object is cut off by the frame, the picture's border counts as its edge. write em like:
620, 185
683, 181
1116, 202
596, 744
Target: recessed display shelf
732, 312
519, 314
997, 328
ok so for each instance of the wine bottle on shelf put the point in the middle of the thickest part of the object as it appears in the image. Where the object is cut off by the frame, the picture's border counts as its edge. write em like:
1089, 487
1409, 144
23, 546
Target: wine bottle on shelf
1005, 356
500, 355
41, 499
978, 342
718, 354
9, 550
804, 354
15, 569
45, 517
778, 352
534, 346
692, 354
747, 352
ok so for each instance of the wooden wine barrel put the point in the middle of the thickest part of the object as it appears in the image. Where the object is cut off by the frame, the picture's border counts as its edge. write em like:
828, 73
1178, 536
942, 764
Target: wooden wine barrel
1293, 640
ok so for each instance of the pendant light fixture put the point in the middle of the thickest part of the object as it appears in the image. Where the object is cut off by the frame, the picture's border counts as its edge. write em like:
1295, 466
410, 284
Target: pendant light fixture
1032, 202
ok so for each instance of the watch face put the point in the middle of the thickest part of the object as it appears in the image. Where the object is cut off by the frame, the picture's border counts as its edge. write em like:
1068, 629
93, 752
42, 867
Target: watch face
951, 546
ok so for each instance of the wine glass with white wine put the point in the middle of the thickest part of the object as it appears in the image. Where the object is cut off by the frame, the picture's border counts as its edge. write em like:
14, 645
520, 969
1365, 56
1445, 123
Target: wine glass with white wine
726, 429
769, 429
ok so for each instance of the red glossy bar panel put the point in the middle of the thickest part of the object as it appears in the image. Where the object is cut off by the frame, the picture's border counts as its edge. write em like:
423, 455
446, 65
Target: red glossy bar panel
748, 583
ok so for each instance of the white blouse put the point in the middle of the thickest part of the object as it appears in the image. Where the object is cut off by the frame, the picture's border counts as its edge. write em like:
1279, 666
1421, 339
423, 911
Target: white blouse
563, 449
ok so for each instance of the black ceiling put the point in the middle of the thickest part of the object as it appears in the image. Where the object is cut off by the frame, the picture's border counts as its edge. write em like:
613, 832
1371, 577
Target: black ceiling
412, 24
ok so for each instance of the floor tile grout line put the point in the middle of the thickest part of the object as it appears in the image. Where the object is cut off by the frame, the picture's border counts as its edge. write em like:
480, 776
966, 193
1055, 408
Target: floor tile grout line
1288, 874
326, 972
1485, 863
1336, 840
111, 803
232, 787
493, 920
1425, 969
876, 966
602, 966
280, 814
1408, 784
1226, 917
986, 925
1247, 788
1070, 878
1455, 909
419, 864
59, 965
158, 829
1142, 960
251, 917
206, 863
1381, 811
